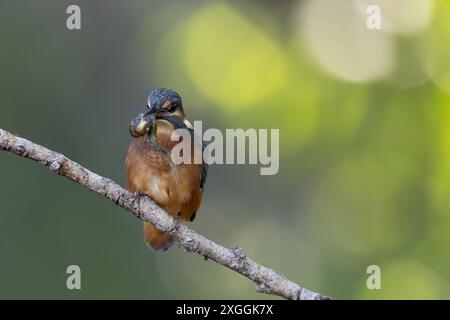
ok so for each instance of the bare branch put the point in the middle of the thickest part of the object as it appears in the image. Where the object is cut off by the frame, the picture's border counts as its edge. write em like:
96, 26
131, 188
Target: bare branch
265, 279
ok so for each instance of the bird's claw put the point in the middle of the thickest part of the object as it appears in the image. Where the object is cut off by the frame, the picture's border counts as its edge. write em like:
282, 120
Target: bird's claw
139, 194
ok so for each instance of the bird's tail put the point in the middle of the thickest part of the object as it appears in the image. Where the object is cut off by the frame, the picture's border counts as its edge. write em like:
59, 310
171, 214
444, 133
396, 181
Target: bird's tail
156, 239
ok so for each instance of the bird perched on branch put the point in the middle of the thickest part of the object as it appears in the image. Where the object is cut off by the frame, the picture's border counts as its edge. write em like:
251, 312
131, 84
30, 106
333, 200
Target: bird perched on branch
177, 188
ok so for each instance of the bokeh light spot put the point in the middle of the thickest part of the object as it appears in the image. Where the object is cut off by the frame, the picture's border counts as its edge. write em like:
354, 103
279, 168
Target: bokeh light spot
437, 61
337, 37
403, 17
230, 60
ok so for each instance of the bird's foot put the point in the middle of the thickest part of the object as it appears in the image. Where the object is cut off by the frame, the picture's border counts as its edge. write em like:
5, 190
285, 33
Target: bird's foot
139, 193
177, 222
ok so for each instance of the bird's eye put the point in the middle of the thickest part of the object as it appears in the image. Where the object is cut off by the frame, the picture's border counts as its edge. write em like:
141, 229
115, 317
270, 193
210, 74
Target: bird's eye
172, 107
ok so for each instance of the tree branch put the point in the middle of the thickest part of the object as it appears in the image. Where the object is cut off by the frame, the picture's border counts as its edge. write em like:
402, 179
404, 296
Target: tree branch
265, 279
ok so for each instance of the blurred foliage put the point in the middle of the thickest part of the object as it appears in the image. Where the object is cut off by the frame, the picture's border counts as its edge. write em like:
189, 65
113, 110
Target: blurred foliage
364, 119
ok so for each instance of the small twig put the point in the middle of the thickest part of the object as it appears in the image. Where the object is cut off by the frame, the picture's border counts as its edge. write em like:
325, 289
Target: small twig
265, 279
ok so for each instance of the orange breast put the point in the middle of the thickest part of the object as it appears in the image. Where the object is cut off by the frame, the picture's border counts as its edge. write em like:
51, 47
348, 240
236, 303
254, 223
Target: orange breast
175, 189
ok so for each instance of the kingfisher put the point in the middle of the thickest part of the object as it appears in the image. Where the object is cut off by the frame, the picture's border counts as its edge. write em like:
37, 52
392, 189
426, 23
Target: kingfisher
177, 188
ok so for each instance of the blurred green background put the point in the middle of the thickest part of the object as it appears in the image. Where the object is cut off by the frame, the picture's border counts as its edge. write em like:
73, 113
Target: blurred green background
364, 119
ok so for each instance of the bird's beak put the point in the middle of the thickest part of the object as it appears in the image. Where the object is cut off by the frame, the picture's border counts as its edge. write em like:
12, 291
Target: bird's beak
188, 124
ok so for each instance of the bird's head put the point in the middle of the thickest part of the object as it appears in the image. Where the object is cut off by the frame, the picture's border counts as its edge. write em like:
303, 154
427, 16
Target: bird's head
162, 104
163, 100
